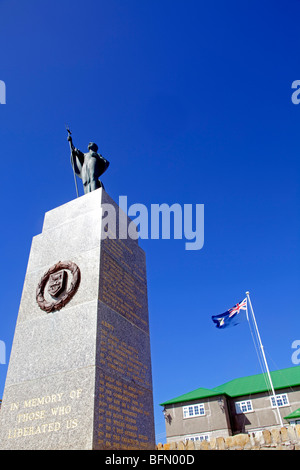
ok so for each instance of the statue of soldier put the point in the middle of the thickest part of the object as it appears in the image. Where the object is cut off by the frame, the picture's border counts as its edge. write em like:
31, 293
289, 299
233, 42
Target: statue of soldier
88, 166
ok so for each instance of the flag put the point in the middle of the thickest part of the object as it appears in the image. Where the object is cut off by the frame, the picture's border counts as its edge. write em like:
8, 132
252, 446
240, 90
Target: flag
230, 317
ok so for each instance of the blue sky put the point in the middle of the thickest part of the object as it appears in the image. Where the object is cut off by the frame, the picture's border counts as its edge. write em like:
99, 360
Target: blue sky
191, 103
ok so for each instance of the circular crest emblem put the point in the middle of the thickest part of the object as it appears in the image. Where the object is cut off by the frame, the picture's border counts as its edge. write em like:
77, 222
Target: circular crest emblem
55, 289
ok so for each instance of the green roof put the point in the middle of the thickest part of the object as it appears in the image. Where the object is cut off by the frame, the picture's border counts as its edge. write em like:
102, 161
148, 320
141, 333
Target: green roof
250, 385
194, 395
295, 414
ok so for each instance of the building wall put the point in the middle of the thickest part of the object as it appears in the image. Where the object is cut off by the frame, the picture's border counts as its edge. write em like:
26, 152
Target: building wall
223, 420
263, 415
215, 422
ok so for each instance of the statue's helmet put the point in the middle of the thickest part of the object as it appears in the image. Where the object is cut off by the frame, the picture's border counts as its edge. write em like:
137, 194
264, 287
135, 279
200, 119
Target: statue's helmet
92, 146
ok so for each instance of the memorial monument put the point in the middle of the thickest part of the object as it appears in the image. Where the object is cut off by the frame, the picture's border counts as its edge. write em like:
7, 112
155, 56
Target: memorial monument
79, 374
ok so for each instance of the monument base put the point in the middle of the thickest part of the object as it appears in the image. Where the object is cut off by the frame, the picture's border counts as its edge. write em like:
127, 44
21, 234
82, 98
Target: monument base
79, 375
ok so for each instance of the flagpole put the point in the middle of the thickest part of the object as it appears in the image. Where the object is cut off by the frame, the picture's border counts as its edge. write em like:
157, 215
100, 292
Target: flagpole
264, 358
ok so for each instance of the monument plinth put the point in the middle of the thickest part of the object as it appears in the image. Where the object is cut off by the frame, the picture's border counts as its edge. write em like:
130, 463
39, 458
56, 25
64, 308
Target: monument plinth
79, 375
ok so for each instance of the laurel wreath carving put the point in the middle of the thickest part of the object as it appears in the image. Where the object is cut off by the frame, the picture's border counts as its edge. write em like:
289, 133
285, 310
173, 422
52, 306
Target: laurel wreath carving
63, 300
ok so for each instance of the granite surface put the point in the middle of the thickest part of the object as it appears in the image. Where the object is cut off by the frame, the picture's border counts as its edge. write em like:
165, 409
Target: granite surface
80, 377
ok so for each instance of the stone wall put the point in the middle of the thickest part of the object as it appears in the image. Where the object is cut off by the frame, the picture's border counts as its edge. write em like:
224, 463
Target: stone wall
285, 438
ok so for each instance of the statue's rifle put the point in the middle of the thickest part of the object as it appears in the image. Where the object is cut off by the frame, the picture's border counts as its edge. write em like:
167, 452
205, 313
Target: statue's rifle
72, 148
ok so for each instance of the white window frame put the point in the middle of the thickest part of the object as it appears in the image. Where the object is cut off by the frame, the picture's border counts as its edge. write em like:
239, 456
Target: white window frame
197, 438
244, 406
193, 411
293, 422
282, 400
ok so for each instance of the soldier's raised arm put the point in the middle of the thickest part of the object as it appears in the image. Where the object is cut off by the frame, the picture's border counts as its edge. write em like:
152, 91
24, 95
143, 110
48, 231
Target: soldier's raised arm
77, 157
77, 160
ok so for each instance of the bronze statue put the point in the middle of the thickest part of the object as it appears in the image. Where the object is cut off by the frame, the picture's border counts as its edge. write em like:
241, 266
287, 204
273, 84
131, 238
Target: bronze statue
88, 166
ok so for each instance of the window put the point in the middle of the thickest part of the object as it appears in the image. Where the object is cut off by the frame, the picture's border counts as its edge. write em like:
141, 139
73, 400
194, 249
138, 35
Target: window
294, 422
282, 400
201, 437
193, 411
243, 406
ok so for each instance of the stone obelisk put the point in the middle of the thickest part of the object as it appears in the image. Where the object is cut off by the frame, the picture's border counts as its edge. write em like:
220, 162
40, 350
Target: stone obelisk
79, 374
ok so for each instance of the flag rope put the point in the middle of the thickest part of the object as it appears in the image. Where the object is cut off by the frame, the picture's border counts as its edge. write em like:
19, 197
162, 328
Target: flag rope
258, 352
264, 358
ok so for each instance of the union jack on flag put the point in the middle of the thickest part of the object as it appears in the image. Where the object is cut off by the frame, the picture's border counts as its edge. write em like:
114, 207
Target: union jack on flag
229, 318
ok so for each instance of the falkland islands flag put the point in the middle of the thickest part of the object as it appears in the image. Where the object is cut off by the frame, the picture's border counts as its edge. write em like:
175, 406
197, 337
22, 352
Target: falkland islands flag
231, 317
